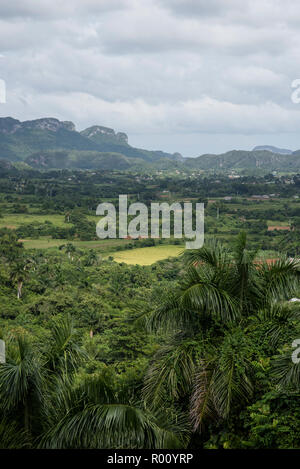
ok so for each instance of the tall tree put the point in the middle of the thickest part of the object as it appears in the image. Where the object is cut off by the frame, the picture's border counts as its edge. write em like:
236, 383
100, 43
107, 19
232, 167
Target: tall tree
207, 367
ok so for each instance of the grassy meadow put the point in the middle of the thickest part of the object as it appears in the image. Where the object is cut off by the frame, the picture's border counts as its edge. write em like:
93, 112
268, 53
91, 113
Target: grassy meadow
147, 256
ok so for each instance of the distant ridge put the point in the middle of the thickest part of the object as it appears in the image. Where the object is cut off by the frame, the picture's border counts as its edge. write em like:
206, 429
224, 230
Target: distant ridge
280, 151
49, 142
240, 159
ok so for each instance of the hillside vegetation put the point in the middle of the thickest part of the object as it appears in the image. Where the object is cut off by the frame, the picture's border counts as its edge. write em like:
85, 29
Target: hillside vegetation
48, 143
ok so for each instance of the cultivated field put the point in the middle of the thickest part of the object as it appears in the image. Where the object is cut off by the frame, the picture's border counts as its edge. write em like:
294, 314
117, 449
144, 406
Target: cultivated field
45, 242
147, 256
15, 220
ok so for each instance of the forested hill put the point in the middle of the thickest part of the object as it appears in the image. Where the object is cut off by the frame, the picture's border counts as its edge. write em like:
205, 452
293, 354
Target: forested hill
239, 159
42, 142
49, 143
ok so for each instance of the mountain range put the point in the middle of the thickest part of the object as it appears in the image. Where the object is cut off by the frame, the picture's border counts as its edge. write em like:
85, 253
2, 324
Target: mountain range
50, 143
241, 159
281, 151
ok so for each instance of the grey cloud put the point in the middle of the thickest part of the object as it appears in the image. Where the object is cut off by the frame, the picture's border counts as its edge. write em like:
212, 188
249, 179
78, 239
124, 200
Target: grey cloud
50, 9
202, 8
154, 67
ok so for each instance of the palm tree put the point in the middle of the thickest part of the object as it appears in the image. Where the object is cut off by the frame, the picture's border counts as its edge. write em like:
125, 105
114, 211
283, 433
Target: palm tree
26, 377
21, 382
207, 367
10, 247
45, 396
67, 217
290, 241
91, 258
70, 249
63, 352
94, 414
19, 274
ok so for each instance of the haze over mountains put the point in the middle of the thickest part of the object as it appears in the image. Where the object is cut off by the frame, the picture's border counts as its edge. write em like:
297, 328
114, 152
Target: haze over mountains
281, 151
49, 143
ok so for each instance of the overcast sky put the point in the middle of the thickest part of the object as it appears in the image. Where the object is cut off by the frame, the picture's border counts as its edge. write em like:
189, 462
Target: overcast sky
191, 76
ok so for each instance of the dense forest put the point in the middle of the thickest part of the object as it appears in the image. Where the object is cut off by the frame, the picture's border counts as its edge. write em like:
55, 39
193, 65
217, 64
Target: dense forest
191, 351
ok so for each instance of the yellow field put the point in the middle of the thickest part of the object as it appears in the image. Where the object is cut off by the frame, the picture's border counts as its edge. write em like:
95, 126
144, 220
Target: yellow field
147, 256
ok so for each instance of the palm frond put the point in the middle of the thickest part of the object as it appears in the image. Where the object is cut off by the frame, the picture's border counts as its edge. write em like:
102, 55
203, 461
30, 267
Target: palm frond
285, 372
171, 374
202, 408
63, 352
21, 374
280, 279
109, 426
232, 379
169, 315
201, 292
279, 317
212, 254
